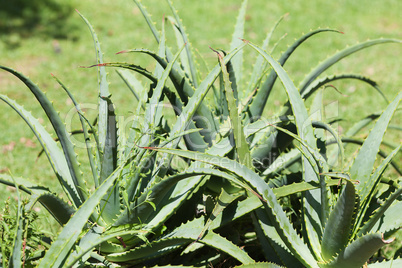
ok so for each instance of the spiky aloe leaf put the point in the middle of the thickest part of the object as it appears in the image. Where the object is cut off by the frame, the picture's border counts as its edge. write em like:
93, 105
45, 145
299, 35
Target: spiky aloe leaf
190, 60
56, 206
203, 116
222, 202
395, 263
59, 209
260, 100
57, 160
358, 252
364, 161
280, 221
84, 123
243, 151
107, 131
339, 225
376, 178
260, 265
141, 210
61, 247
184, 234
313, 215
267, 234
321, 82
387, 210
104, 93
18, 249
238, 35
337, 57
260, 64
92, 239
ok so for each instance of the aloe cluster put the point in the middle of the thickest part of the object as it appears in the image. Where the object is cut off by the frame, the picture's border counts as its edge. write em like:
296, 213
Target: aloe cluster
167, 192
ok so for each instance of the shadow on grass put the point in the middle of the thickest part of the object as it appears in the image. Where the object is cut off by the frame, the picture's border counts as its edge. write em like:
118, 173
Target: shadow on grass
26, 18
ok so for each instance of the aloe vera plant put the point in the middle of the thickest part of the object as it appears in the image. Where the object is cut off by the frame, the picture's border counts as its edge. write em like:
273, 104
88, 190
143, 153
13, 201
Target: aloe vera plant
269, 178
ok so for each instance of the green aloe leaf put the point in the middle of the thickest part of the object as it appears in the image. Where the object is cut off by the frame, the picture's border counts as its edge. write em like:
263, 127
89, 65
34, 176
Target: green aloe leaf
357, 253
387, 210
260, 100
281, 222
238, 35
243, 151
337, 57
61, 247
260, 265
364, 161
107, 131
260, 63
184, 234
84, 123
375, 179
190, 60
57, 159
323, 81
395, 263
18, 248
57, 207
275, 250
339, 225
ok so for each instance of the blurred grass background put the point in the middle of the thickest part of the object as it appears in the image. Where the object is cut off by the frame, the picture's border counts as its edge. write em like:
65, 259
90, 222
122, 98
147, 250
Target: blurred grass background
42, 37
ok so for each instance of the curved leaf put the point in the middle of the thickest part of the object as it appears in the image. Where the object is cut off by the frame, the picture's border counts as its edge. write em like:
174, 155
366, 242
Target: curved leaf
339, 225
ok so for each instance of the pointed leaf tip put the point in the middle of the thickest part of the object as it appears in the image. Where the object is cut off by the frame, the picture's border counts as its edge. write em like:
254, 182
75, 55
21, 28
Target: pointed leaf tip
121, 52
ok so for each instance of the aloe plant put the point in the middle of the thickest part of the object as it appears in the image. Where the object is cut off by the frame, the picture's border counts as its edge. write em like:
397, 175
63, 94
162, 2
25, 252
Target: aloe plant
151, 184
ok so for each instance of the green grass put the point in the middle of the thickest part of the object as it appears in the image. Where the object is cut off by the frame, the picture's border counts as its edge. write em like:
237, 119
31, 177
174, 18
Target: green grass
120, 26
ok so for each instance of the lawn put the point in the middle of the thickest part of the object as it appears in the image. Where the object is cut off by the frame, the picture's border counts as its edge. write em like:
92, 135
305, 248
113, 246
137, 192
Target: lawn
119, 26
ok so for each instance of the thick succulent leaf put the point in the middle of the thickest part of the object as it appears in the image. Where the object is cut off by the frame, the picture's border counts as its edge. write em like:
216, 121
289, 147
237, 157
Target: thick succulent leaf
323, 81
104, 94
243, 151
191, 63
260, 63
177, 238
238, 35
313, 215
61, 247
337, 57
395, 263
93, 238
375, 179
388, 214
381, 152
339, 225
107, 131
222, 202
267, 234
161, 50
84, 123
141, 210
57, 207
358, 252
57, 160
18, 250
279, 218
260, 100
203, 117
364, 161
259, 265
